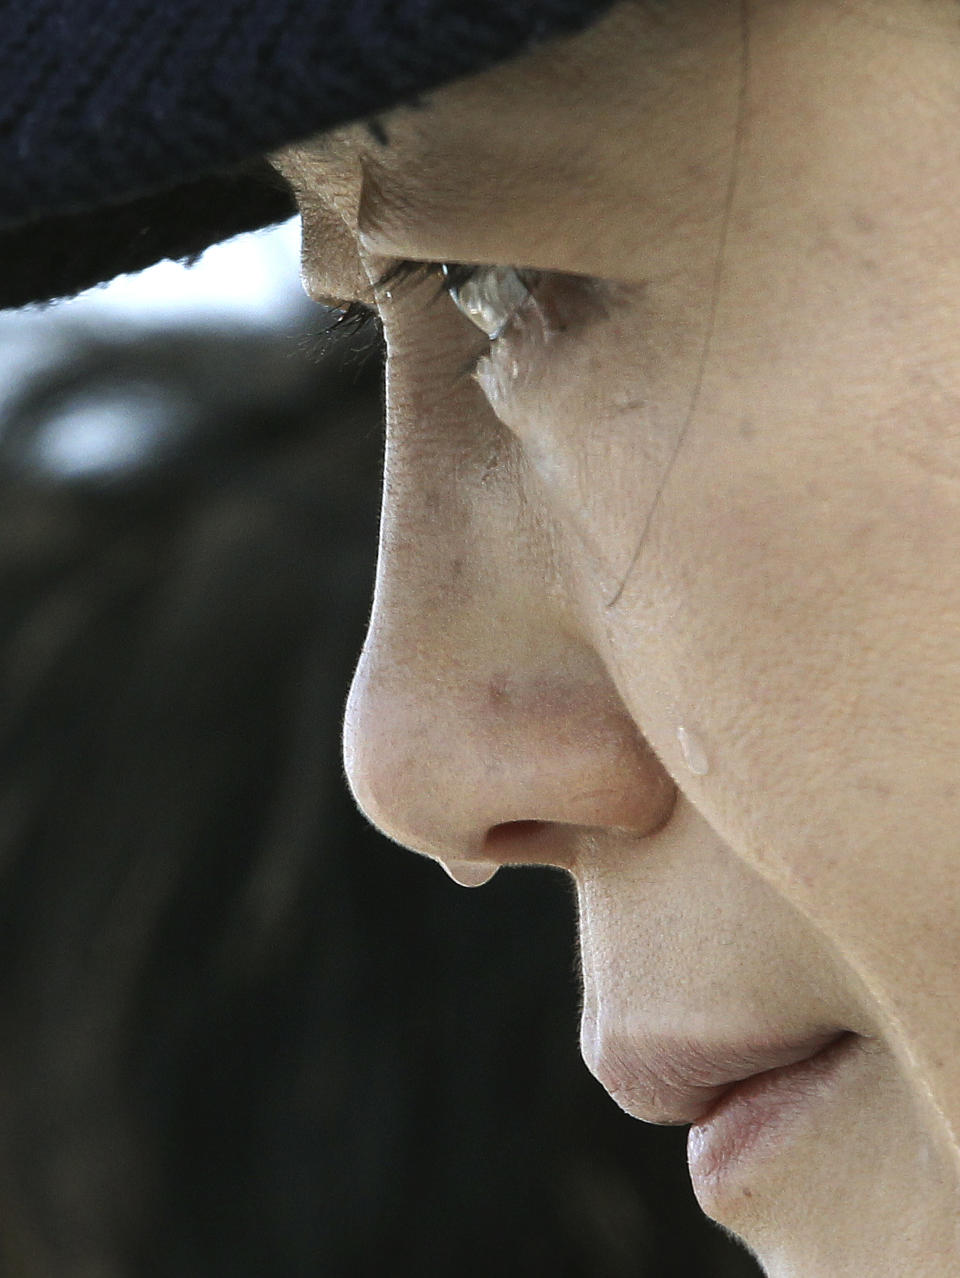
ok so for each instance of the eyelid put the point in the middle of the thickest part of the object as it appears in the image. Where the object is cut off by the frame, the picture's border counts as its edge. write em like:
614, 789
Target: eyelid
408, 272
489, 296
452, 279
352, 315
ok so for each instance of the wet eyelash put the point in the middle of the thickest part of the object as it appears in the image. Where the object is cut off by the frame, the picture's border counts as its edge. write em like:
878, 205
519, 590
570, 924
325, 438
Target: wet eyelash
358, 318
450, 275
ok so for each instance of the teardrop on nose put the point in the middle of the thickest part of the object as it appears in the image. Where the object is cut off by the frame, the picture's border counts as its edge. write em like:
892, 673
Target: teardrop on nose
471, 873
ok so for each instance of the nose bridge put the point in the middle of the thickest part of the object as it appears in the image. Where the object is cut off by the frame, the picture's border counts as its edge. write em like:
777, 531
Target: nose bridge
476, 705
448, 672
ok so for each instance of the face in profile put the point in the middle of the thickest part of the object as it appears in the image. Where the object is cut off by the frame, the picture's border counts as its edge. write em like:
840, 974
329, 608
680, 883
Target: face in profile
668, 591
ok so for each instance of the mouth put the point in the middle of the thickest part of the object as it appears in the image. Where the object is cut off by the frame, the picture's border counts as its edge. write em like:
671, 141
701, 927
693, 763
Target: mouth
741, 1100
754, 1117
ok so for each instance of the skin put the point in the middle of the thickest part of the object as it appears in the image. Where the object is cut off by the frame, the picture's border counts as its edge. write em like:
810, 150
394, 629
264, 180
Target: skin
707, 483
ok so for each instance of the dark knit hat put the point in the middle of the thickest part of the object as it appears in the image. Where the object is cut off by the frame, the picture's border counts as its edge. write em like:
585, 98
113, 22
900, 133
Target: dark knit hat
133, 130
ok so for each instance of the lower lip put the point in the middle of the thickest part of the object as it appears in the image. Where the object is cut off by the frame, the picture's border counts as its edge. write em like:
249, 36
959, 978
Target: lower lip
754, 1120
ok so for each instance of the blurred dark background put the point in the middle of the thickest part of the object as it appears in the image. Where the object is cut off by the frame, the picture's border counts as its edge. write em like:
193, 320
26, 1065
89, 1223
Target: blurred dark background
240, 1034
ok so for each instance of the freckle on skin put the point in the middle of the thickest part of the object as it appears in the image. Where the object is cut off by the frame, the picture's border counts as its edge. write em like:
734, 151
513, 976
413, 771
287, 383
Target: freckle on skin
863, 221
497, 689
882, 789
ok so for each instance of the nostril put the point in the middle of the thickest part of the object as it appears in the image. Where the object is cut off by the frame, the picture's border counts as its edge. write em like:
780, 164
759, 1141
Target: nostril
543, 842
512, 841
513, 832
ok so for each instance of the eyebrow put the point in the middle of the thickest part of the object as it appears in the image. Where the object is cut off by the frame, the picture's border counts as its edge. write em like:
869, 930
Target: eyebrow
330, 264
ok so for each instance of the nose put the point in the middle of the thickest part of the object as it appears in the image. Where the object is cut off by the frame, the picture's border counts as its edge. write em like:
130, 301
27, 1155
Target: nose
493, 753
482, 727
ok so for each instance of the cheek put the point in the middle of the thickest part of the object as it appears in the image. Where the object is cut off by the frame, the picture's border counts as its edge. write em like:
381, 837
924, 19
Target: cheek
773, 597
598, 399
801, 624
807, 623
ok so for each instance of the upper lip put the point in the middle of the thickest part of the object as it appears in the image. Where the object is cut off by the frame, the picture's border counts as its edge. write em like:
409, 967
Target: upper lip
676, 1080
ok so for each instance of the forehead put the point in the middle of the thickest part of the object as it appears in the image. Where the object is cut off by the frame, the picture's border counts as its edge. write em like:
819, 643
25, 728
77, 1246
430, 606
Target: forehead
512, 165
470, 147
479, 116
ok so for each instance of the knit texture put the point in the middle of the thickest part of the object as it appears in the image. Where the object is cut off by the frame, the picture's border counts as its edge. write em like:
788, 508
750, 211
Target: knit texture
128, 128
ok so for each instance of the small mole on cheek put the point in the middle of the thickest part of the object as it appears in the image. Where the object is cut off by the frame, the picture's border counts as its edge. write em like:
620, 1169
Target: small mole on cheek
497, 689
875, 786
863, 221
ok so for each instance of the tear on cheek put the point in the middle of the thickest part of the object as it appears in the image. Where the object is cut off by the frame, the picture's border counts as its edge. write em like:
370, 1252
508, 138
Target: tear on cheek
488, 376
516, 359
543, 342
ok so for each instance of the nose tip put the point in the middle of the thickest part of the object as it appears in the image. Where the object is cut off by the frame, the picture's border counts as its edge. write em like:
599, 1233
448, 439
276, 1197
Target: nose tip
391, 756
479, 772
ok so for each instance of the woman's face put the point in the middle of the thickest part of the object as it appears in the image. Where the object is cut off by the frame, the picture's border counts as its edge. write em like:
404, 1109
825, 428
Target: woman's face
669, 589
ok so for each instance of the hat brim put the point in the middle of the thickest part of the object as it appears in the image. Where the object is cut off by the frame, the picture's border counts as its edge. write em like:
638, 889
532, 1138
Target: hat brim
127, 131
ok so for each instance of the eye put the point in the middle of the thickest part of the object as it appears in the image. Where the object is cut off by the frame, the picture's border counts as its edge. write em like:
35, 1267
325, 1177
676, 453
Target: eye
489, 296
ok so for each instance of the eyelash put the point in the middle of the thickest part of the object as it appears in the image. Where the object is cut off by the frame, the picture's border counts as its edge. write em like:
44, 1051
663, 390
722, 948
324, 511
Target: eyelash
358, 317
